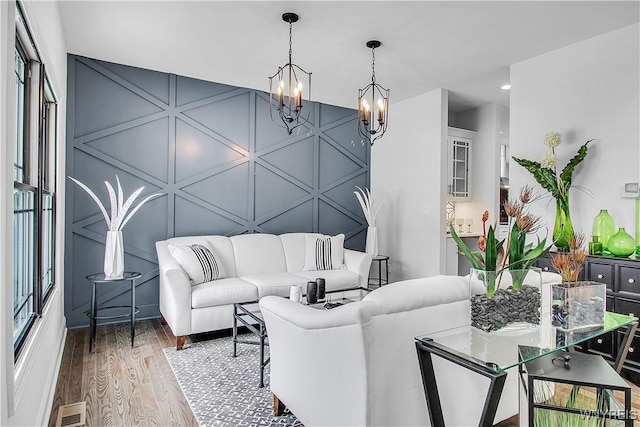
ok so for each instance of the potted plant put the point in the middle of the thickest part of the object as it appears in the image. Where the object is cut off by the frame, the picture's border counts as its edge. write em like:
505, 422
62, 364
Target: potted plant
493, 307
558, 185
575, 304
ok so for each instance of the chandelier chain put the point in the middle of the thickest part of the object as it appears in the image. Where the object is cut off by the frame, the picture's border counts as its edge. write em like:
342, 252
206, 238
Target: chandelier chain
290, 43
373, 65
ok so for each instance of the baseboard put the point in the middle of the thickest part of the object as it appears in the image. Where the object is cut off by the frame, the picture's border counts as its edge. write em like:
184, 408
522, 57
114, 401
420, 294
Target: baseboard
48, 403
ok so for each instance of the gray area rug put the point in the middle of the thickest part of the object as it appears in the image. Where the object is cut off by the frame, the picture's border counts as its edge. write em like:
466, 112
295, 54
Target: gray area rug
223, 390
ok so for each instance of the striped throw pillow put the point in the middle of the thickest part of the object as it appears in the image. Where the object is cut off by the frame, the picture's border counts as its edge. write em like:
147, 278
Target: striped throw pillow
199, 262
324, 253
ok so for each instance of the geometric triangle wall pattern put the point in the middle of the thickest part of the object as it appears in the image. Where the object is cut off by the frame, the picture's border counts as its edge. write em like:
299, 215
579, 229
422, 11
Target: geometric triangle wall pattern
212, 150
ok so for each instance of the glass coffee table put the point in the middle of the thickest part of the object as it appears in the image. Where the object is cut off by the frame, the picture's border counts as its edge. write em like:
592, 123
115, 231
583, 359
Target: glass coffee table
253, 321
492, 354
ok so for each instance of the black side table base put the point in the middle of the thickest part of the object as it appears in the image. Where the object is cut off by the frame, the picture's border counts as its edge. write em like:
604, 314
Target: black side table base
100, 278
381, 281
425, 349
239, 314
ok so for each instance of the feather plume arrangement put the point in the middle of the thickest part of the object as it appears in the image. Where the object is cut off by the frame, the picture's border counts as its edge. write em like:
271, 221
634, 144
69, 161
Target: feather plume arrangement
119, 206
367, 204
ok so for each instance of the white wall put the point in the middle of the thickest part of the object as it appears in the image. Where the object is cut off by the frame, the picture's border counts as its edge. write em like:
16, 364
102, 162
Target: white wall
408, 173
27, 386
583, 91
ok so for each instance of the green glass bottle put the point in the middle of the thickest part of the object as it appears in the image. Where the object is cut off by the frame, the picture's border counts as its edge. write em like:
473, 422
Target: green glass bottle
622, 244
638, 226
604, 227
595, 246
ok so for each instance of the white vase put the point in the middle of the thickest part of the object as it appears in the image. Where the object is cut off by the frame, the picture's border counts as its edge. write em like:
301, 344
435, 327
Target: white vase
114, 254
371, 247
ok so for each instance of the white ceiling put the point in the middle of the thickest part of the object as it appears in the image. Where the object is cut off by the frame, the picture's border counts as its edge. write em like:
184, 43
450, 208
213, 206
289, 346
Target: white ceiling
466, 47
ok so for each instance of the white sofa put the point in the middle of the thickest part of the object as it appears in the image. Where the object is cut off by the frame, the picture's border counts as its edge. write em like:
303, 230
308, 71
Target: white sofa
356, 365
256, 265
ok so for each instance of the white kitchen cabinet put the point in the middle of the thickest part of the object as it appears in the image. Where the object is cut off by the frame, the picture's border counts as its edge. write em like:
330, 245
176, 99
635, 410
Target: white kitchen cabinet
456, 263
452, 257
459, 143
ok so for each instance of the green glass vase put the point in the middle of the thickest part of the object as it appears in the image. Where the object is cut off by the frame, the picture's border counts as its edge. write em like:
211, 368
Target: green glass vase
622, 244
638, 226
604, 227
563, 228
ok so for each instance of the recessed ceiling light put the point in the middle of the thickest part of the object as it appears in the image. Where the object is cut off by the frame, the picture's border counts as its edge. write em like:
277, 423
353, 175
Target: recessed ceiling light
505, 87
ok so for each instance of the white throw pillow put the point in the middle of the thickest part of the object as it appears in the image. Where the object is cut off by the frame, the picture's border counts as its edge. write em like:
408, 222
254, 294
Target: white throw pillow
199, 262
324, 253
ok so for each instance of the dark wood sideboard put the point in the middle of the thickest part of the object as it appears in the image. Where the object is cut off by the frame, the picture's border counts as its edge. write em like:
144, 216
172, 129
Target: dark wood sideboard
622, 277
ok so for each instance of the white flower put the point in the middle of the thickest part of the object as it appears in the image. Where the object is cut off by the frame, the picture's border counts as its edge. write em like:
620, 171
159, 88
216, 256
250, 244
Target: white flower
552, 139
549, 160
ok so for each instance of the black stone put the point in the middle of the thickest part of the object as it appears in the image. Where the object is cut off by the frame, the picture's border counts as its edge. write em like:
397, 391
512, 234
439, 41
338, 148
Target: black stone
506, 306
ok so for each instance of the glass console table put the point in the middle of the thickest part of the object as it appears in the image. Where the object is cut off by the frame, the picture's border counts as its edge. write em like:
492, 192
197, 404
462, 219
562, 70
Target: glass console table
492, 354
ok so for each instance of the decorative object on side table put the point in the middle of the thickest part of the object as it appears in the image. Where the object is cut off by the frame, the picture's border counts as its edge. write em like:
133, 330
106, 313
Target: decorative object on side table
367, 204
546, 175
595, 246
493, 308
621, 244
576, 305
295, 293
638, 225
114, 244
603, 227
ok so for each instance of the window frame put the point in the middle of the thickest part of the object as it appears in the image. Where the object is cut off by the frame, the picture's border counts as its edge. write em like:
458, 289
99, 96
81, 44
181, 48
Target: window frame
26, 95
40, 143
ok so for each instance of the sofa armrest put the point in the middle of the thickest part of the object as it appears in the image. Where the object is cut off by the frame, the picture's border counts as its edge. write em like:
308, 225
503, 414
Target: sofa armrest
309, 318
358, 262
175, 292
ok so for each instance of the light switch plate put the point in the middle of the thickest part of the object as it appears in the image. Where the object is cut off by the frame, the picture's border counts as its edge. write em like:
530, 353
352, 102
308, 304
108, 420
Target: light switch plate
631, 190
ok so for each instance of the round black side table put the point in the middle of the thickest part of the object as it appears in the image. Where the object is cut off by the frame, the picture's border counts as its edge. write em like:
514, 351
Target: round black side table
381, 281
100, 278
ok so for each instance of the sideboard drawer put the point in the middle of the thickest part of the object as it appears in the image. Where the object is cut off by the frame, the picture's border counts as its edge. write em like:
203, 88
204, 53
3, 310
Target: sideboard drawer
603, 344
602, 273
634, 349
629, 307
545, 265
629, 279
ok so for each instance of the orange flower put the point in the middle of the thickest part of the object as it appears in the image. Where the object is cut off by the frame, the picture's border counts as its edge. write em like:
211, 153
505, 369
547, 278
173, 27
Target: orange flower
481, 243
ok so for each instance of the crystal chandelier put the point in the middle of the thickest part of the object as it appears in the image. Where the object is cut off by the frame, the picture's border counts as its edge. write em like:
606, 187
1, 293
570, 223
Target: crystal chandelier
286, 90
373, 124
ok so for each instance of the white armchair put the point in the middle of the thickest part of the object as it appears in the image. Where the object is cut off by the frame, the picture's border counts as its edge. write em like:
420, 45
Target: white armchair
356, 365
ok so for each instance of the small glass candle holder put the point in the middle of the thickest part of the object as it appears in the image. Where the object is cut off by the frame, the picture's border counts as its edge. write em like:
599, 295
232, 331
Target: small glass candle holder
595, 246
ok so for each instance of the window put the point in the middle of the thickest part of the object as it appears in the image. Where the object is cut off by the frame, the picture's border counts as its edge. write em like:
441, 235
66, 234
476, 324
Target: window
33, 186
21, 70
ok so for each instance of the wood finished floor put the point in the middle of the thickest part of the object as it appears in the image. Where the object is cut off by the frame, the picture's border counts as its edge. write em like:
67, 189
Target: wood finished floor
126, 386
123, 386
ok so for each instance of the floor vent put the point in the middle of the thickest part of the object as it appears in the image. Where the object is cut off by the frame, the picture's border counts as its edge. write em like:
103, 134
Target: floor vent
73, 415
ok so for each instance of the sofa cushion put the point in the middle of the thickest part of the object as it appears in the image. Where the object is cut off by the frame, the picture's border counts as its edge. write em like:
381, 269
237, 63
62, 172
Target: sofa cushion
199, 262
222, 292
324, 253
221, 246
295, 248
278, 284
258, 254
334, 279
417, 293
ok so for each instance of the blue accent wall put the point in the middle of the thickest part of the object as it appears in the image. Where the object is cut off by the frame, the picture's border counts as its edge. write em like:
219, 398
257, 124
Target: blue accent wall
222, 165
